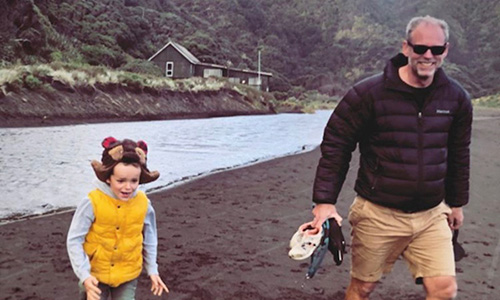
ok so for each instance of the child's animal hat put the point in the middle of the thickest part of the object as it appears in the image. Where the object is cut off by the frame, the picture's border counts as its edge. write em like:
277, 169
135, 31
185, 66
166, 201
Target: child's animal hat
126, 151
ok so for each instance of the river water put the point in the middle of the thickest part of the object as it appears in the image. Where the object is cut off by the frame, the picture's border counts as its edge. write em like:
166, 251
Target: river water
48, 168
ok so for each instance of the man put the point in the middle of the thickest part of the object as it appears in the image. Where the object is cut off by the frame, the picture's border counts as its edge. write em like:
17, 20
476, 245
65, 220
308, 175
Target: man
413, 126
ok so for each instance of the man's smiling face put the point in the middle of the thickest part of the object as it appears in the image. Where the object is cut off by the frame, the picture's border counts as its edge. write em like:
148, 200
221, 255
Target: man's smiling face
424, 66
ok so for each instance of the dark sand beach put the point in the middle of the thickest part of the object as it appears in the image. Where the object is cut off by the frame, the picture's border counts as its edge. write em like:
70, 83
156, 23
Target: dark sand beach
225, 236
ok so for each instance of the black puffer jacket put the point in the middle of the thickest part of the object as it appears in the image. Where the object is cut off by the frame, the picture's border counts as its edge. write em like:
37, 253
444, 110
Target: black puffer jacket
411, 158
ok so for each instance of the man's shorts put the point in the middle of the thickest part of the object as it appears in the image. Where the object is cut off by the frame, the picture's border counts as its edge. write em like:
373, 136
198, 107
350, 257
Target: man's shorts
380, 235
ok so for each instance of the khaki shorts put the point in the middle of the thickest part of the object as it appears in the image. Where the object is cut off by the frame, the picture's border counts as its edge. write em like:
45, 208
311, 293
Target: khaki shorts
380, 235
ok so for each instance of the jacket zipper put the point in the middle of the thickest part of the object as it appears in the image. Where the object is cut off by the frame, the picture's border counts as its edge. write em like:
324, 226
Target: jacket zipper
374, 182
420, 154
375, 174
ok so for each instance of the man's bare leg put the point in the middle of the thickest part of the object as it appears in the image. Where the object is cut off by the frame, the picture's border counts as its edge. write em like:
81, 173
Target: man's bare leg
359, 290
440, 287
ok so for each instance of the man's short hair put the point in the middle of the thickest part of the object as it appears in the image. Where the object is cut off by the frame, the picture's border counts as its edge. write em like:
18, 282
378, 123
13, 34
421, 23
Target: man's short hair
430, 20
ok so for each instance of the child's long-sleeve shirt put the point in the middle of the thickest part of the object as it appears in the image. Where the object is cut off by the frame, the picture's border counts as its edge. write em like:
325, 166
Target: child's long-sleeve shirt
80, 225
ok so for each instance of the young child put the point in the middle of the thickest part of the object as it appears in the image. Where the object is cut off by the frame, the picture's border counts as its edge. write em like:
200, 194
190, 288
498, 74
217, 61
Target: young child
114, 229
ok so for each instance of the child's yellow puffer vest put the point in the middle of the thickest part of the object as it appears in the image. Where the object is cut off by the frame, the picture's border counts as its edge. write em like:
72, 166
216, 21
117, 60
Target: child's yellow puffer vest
114, 241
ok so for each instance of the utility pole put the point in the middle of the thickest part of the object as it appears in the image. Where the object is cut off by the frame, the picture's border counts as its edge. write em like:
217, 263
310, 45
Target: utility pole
258, 72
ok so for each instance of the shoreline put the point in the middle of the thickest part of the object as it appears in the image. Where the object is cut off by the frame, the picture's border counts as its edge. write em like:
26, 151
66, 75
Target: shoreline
40, 121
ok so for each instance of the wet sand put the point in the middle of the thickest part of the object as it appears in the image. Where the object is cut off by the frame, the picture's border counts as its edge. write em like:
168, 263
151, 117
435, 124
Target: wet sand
225, 236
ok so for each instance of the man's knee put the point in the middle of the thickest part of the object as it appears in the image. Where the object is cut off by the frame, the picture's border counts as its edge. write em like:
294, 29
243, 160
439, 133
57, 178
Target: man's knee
441, 287
359, 289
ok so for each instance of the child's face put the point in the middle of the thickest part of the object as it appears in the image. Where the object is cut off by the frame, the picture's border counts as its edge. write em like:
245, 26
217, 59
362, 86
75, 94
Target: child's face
124, 180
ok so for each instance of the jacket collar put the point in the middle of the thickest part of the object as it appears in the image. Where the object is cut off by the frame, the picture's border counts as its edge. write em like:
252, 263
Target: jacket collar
393, 81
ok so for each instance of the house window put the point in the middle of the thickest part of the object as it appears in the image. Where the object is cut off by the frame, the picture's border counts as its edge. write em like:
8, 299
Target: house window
212, 72
169, 70
254, 81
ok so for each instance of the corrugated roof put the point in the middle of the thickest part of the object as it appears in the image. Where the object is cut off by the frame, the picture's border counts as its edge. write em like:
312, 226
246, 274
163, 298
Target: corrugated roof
251, 72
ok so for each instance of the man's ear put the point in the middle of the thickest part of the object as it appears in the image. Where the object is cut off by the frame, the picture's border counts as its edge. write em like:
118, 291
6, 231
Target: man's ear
405, 48
446, 51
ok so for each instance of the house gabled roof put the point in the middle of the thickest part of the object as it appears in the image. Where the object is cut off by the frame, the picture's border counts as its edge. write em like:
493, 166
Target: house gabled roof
183, 51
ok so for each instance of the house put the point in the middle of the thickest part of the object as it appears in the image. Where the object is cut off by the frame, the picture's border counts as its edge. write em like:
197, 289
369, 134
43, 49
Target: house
177, 62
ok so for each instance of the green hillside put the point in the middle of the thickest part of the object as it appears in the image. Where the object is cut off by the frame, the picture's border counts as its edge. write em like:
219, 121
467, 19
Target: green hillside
307, 44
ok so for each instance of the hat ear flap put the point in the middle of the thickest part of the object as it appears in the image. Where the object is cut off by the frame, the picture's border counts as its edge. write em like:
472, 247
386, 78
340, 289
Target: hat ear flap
102, 171
108, 142
148, 176
142, 144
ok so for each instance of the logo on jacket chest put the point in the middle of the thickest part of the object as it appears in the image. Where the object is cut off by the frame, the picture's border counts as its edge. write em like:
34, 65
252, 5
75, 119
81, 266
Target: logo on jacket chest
443, 111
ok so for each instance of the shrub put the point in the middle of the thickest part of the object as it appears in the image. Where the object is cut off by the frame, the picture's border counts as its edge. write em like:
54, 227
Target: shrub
280, 95
141, 66
31, 82
9, 75
132, 81
97, 55
95, 38
41, 71
56, 56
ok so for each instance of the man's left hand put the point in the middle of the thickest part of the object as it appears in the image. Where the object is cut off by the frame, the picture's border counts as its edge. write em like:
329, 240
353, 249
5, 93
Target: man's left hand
456, 218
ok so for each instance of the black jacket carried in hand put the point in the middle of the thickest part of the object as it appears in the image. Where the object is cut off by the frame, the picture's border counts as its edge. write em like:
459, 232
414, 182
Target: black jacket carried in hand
412, 156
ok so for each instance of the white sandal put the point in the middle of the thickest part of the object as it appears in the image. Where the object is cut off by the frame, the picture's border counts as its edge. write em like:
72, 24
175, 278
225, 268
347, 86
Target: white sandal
303, 244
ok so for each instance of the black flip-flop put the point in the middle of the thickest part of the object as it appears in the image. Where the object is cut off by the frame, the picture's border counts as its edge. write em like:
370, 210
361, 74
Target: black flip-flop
458, 250
336, 243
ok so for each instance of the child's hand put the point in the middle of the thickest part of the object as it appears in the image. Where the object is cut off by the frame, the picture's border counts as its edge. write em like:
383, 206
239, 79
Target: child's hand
157, 285
93, 292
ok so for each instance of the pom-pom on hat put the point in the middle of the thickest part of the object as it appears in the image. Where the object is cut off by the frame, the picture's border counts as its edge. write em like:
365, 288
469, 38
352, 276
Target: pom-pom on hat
126, 151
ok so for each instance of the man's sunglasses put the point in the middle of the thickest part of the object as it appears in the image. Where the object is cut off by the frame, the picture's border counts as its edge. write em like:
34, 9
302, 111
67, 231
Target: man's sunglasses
421, 49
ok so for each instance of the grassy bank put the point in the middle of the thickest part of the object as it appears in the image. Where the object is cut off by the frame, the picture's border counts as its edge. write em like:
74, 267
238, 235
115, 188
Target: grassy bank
492, 101
46, 77
63, 93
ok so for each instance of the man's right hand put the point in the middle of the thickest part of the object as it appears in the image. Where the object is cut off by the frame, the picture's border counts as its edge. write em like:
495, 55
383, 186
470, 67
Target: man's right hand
93, 292
323, 212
